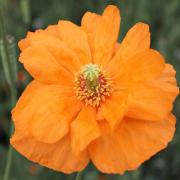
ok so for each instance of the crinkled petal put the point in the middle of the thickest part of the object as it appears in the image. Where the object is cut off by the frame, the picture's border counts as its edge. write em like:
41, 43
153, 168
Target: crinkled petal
136, 40
153, 100
58, 49
50, 31
168, 75
142, 67
133, 142
23, 44
53, 30
40, 111
102, 33
84, 129
114, 108
44, 67
76, 39
57, 156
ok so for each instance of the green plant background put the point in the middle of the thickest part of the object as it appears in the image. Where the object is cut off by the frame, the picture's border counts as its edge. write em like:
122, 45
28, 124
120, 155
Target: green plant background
25, 15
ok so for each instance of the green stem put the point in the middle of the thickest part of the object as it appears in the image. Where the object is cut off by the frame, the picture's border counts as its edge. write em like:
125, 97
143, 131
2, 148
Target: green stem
10, 150
8, 163
79, 175
8, 70
5, 54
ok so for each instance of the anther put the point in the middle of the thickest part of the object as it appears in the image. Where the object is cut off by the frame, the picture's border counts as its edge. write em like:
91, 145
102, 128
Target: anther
92, 86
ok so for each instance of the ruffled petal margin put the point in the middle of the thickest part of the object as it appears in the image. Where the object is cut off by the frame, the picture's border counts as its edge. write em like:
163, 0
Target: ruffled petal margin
84, 129
57, 156
45, 111
102, 33
133, 142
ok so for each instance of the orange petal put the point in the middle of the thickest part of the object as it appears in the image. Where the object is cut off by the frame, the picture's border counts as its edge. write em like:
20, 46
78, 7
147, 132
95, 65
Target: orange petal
151, 100
50, 31
44, 67
136, 40
99, 115
57, 156
40, 110
84, 129
133, 142
76, 39
168, 75
23, 44
144, 66
167, 82
88, 23
114, 108
147, 65
102, 33
58, 49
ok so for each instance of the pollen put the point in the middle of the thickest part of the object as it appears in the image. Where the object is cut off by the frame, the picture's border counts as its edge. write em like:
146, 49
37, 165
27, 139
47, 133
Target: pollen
92, 86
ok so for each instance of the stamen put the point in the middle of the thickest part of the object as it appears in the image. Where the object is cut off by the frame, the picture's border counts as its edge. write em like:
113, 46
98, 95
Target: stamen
92, 86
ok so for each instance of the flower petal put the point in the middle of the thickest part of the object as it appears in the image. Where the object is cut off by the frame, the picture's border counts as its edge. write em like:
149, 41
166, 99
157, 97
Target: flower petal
50, 31
114, 108
84, 129
58, 49
102, 33
23, 44
88, 23
168, 75
153, 100
136, 40
57, 156
143, 67
44, 67
40, 110
76, 39
133, 142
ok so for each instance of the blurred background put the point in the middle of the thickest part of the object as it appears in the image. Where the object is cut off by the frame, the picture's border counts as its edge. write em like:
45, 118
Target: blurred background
21, 16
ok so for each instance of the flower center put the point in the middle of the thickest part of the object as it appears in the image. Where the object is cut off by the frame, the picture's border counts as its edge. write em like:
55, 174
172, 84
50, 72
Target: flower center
92, 85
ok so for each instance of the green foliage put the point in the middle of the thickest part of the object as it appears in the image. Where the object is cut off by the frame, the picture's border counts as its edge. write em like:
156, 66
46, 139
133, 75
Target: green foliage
164, 20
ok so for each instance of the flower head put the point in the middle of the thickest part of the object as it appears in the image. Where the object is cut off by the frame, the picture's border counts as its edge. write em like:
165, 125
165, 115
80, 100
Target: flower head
93, 98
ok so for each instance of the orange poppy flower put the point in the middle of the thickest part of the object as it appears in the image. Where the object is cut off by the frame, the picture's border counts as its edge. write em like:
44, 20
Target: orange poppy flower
93, 98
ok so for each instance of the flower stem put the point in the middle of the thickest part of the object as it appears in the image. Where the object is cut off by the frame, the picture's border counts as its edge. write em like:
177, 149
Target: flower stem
79, 175
7, 58
10, 150
8, 163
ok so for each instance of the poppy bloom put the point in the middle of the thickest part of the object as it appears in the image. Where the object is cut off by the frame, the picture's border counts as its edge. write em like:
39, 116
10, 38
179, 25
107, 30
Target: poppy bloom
93, 98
